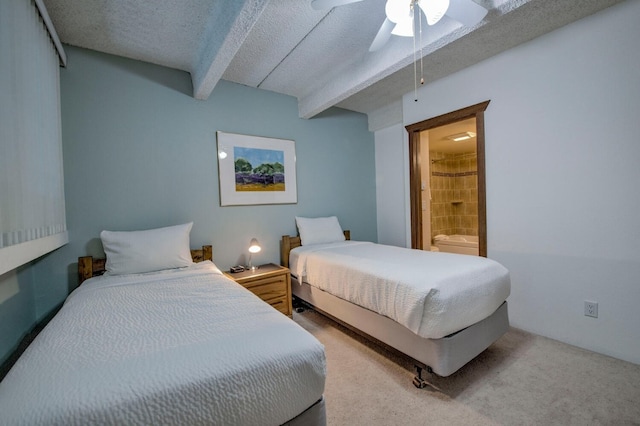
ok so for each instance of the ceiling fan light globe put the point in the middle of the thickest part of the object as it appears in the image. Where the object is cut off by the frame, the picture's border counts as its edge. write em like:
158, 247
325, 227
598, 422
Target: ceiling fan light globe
434, 10
398, 10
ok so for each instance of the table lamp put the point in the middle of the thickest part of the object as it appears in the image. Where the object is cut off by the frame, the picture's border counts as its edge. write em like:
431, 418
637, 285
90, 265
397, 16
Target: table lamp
254, 247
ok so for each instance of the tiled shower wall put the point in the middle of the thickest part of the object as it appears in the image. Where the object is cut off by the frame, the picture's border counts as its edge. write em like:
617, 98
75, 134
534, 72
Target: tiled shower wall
454, 194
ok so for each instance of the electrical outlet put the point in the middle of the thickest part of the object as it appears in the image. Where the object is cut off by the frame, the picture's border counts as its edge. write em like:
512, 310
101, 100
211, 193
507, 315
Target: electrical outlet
591, 309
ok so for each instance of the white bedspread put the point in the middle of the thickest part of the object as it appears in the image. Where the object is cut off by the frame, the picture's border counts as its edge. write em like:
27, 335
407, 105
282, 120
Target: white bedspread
182, 347
432, 294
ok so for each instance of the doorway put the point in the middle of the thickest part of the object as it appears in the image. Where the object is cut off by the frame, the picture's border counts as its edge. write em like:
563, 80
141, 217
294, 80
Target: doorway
447, 177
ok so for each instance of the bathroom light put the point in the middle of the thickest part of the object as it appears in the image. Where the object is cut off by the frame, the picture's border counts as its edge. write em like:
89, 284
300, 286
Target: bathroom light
254, 247
461, 136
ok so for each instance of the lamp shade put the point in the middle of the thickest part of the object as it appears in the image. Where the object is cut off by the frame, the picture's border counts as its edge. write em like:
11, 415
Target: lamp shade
254, 246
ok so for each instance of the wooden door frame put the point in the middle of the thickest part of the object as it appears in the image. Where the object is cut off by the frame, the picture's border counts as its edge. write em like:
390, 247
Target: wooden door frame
474, 111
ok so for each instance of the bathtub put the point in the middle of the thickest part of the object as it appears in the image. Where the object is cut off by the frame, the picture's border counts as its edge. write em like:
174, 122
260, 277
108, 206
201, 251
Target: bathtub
462, 244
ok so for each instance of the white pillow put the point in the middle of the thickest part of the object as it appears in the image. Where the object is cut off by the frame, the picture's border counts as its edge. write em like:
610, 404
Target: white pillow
319, 230
147, 251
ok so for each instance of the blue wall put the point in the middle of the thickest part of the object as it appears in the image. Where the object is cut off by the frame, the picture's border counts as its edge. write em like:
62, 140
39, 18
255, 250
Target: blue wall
140, 152
17, 308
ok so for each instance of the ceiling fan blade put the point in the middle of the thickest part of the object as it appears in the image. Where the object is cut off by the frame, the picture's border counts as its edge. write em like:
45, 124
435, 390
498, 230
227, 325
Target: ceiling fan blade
467, 12
434, 10
328, 4
383, 35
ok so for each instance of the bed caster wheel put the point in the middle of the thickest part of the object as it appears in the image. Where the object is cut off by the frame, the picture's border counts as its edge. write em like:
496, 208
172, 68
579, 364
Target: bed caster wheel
420, 383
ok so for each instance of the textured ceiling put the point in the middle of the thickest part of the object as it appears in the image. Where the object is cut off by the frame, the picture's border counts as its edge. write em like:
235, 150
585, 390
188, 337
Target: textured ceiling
285, 46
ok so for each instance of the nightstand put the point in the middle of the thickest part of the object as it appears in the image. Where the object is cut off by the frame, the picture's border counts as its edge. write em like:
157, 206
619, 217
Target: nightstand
270, 282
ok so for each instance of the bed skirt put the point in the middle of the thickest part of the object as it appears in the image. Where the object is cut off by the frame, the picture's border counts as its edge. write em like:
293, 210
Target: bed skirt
312, 416
444, 356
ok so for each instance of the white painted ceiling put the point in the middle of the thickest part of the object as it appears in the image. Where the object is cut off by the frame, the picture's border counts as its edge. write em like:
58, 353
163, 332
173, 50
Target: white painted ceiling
285, 46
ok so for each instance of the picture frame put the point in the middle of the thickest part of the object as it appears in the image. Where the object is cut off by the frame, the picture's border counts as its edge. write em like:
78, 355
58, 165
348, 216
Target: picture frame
256, 170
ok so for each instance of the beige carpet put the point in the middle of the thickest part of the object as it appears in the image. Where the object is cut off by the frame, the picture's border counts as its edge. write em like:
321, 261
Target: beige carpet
522, 379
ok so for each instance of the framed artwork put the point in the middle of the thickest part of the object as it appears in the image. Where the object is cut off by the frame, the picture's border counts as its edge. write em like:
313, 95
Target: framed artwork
256, 170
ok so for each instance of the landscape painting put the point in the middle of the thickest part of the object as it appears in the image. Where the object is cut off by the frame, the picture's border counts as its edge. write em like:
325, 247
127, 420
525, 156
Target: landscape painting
259, 169
256, 170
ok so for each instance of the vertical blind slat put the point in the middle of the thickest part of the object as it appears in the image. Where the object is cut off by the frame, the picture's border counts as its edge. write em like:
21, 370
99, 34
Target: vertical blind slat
31, 171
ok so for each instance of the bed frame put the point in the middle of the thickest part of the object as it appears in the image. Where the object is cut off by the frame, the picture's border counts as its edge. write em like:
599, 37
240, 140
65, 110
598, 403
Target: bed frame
88, 266
442, 356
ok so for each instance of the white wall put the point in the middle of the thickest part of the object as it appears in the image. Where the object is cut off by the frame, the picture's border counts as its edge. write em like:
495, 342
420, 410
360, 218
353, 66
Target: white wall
392, 178
562, 154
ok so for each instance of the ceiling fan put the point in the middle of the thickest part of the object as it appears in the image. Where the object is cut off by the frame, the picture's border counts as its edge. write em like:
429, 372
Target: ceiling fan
400, 15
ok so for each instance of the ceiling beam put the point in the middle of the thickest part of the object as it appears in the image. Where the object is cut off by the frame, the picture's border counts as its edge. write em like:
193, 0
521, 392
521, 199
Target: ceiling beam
379, 79
397, 54
228, 26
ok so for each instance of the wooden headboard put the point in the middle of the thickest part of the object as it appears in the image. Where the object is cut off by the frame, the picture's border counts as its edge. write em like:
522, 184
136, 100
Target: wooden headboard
289, 243
89, 267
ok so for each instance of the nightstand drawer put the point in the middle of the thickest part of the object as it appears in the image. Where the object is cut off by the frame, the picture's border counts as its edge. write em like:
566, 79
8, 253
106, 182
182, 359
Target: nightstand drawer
280, 304
268, 288
270, 282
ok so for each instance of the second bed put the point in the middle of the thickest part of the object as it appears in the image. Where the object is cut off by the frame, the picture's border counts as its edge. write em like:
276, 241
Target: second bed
440, 309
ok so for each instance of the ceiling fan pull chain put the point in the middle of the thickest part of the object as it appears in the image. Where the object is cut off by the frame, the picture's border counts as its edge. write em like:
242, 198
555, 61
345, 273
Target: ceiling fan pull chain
415, 71
420, 41
415, 51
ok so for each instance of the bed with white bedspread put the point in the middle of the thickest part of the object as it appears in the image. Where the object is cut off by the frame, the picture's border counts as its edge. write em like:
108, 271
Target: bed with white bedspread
440, 309
180, 346
433, 295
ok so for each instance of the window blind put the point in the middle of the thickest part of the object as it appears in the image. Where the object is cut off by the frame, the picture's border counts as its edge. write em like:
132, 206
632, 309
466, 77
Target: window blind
32, 210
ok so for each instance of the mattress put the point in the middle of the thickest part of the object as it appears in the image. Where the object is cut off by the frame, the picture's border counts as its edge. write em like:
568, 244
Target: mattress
185, 346
432, 294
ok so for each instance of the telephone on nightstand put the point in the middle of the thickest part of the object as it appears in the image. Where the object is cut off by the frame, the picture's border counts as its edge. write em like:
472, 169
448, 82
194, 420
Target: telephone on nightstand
236, 269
